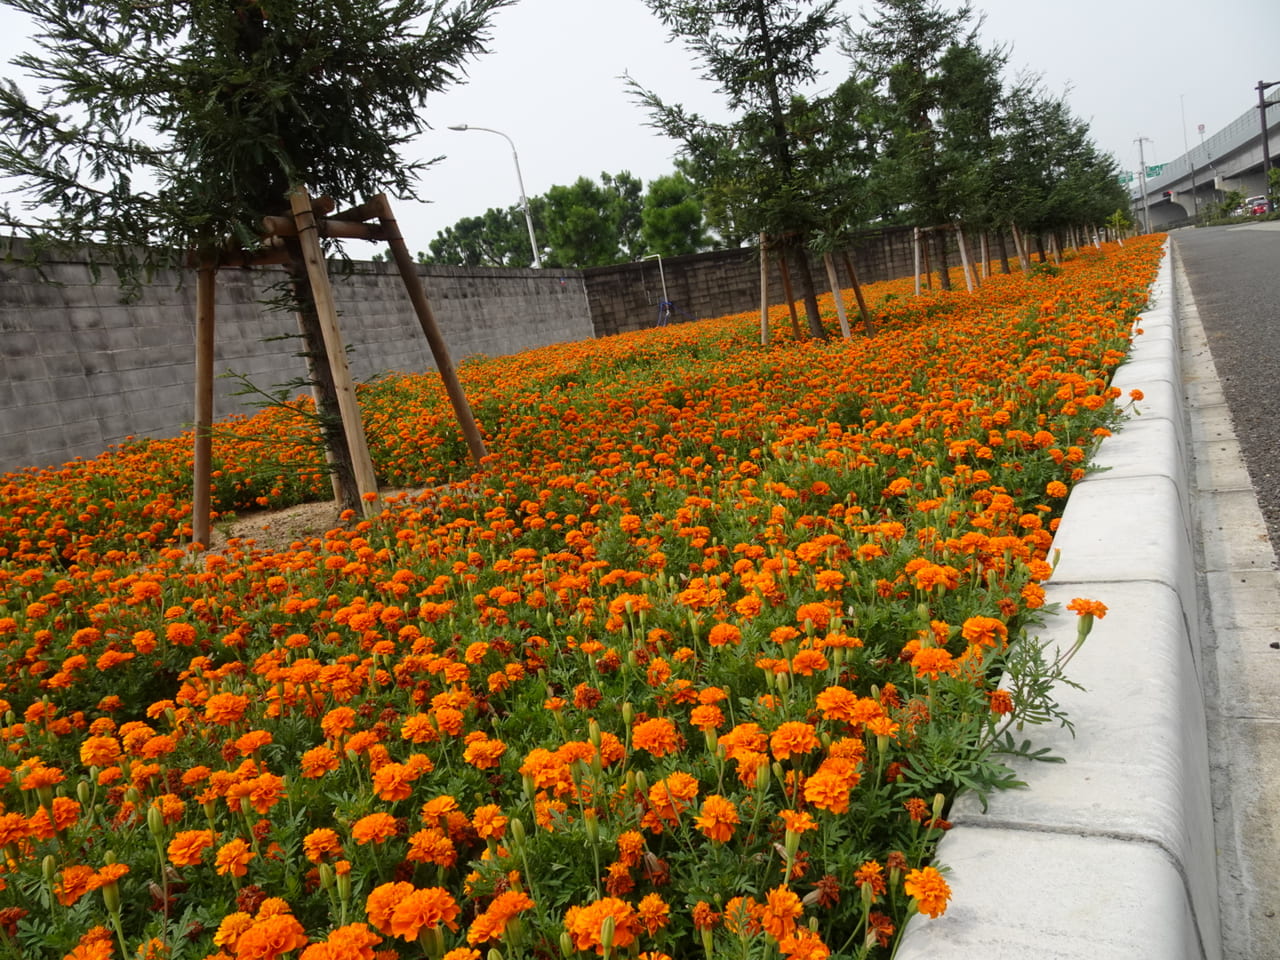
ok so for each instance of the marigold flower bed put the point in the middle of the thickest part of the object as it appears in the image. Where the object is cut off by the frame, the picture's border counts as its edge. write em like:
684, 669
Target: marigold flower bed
691, 668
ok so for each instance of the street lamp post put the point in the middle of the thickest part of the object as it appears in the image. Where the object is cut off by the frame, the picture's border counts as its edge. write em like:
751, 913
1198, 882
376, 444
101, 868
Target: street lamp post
524, 201
1266, 147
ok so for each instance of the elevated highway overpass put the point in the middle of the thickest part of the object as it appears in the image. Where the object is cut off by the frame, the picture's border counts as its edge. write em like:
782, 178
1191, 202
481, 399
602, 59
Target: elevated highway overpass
1231, 159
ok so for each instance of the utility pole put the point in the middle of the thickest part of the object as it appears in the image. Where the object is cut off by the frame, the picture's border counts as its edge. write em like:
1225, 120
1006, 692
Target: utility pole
1266, 147
1142, 183
1195, 198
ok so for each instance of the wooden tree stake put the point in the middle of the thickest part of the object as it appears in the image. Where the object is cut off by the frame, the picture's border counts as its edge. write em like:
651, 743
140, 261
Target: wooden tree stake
867, 325
764, 290
202, 472
426, 318
915, 255
318, 274
836, 294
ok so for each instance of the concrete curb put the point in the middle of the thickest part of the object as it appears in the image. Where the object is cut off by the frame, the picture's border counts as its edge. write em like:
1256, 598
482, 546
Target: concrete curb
1110, 855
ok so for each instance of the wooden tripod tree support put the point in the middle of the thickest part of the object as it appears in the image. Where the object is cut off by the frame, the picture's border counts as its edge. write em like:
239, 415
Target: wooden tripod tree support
304, 228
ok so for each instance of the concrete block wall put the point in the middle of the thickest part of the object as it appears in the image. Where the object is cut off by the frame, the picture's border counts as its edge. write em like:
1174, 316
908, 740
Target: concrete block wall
625, 297
81, 370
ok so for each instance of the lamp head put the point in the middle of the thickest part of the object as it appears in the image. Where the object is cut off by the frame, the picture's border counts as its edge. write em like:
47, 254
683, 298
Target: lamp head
458, 126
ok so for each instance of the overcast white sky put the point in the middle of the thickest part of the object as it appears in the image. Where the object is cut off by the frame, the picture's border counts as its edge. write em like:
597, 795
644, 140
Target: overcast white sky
552, 83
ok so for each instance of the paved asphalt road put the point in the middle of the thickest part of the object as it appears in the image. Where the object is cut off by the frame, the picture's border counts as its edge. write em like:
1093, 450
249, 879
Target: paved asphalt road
1235, 279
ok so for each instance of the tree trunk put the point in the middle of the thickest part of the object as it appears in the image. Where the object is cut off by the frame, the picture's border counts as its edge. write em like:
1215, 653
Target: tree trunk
788, 292
764, 291
1003, 247
1040, 247
332, 431
816, 328
944, 264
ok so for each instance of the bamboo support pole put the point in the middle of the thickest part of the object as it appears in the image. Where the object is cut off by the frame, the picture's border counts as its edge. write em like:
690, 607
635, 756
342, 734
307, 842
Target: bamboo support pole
867, 325
318, 274
836, 294
764, 291
202, 472
426, 318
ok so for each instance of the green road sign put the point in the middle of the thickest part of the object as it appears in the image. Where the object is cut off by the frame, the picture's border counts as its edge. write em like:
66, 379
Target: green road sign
1155, 170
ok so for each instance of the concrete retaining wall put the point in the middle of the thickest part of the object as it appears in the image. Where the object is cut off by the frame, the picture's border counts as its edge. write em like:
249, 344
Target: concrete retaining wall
1110, 855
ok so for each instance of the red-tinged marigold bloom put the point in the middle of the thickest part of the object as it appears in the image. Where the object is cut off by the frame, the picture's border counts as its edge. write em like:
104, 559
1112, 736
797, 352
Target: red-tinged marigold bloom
717, 819
1001, 701
870, 873
793, 738
225, 709
585, 923
374, 828
233, 858
930, 891
187, 847
777, 916
704, 917
657, 737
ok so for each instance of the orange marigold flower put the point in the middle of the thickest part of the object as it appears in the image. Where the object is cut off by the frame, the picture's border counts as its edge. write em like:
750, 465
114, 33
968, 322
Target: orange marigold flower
225, 709
187, 847
100, 751
653, 913
270, 937
429, 907
934, 661
489, 822
724, 634
707, 717
374, 828
1083, 607
870, 873
73, 883
382, 902
657, 737
803, 944
716, 819
393, 781
585, 924
233, 858
985, 631
793, 738
930, 891
778, 914
320, 843
1056, 489
318, 761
